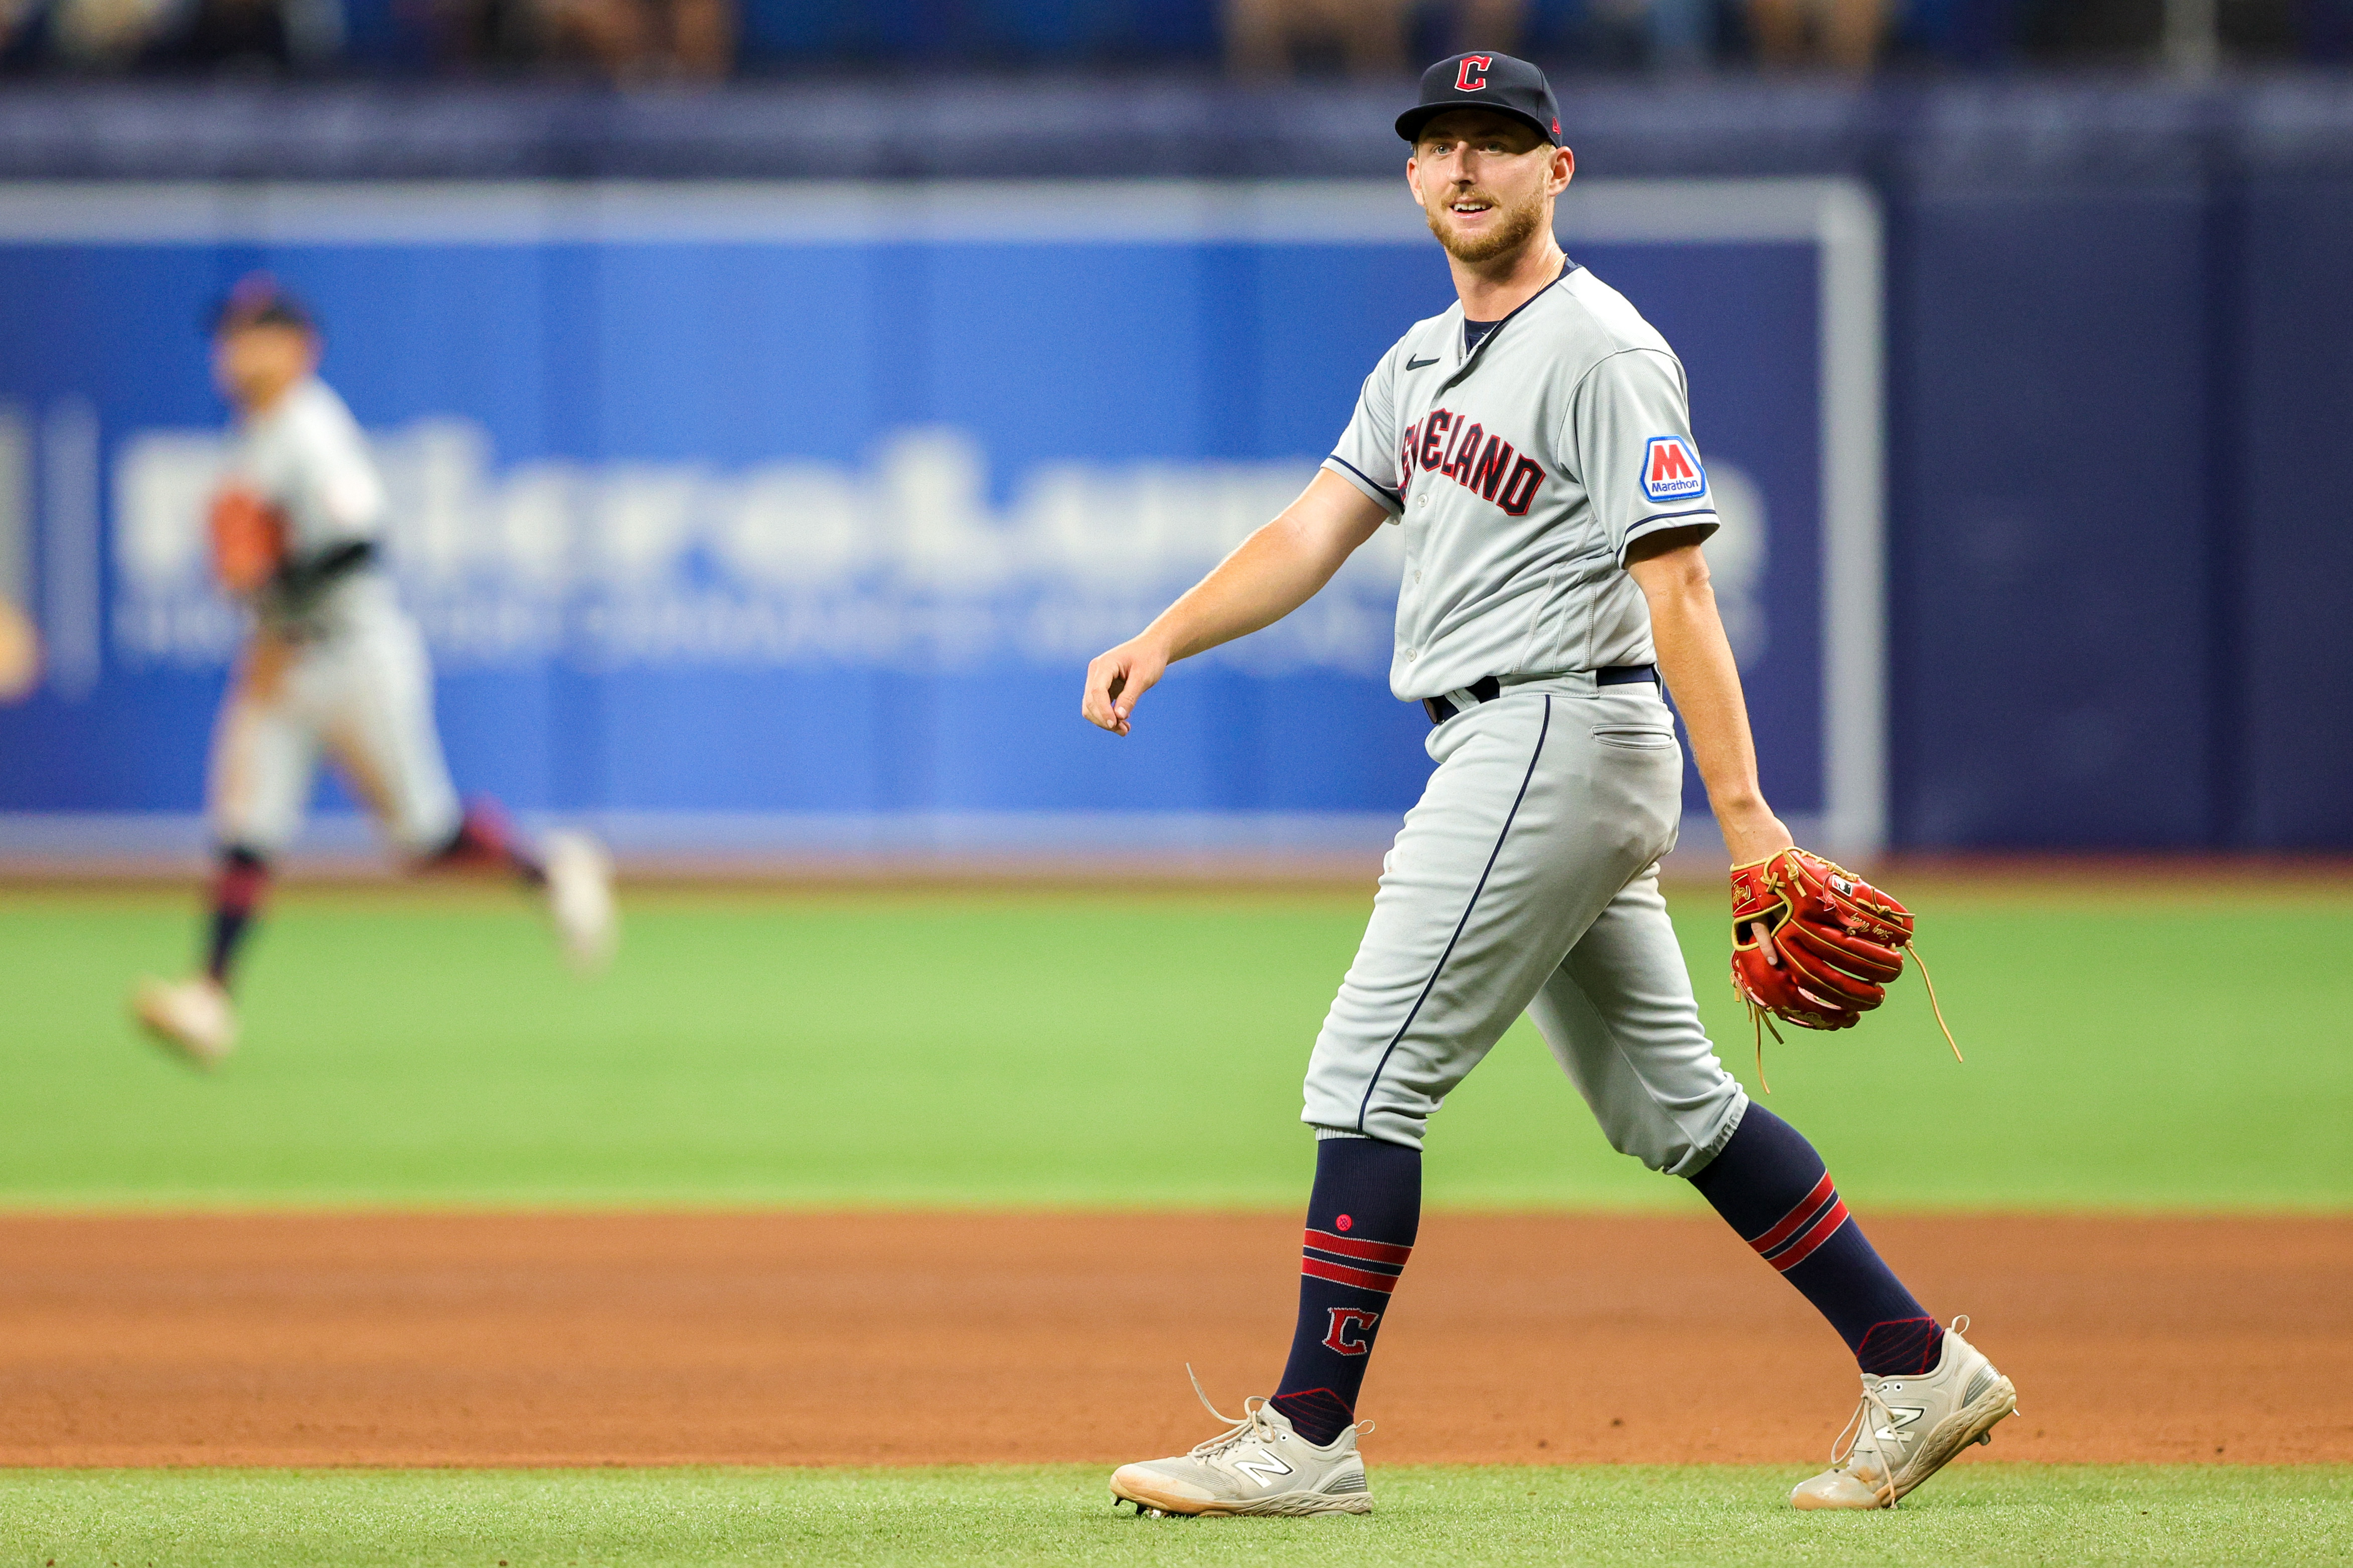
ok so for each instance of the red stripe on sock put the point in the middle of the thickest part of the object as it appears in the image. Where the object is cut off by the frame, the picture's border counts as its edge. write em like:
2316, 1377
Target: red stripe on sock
1342, 1274
1806, 1225
238, 888
1795, 1220
1804, 1247
1348, 1247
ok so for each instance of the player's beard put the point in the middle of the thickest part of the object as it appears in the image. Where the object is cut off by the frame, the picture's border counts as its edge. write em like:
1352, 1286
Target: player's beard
1513, 231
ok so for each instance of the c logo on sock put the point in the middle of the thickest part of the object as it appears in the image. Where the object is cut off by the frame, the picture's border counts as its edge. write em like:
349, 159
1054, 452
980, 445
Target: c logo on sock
1343, 1319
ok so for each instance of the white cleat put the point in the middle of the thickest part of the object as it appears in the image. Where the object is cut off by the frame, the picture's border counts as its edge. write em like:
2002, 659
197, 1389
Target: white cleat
1258, 1465
580, 899
193, 1018
1908, 1429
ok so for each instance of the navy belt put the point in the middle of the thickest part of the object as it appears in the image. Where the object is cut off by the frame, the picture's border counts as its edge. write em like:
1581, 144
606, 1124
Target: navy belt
1487, 690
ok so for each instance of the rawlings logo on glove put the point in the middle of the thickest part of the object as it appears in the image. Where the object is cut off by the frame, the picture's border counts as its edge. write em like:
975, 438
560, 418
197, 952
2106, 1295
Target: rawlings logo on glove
1817, 946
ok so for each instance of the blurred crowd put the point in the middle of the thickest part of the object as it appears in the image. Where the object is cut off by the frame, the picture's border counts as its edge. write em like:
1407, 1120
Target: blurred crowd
641, 41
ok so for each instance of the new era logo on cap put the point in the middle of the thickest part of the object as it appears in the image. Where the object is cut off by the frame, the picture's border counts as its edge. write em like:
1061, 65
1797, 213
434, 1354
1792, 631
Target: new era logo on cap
1670, 470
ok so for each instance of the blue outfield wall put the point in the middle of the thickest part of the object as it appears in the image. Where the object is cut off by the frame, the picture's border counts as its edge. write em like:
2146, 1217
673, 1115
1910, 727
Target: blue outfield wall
2286, 695
2118, 366
2121, 513
783, 513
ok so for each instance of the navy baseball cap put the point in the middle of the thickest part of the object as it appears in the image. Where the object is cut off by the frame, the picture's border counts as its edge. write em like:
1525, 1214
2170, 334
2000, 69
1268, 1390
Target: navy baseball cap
259, 299
1499, 82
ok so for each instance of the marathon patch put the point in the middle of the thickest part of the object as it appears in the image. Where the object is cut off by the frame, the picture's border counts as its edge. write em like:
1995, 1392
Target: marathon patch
1671, 471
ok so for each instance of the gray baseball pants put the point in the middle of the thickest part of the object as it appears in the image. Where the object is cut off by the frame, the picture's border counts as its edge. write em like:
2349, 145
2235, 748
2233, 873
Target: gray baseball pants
1526, 880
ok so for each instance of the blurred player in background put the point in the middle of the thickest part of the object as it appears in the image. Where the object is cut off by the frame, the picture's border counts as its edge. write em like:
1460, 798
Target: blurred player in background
333, 664
20, 654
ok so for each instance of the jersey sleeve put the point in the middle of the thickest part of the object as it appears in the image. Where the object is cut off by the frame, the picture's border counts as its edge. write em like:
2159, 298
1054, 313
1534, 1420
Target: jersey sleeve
1368, 455
1629, 423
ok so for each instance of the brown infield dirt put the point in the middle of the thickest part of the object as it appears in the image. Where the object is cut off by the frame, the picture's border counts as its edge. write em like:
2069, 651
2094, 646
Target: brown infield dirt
916, 1339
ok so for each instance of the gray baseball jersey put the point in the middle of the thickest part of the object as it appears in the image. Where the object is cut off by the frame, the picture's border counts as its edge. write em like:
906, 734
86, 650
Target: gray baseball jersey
1526, 879
306, 456
344, 671
1520, 471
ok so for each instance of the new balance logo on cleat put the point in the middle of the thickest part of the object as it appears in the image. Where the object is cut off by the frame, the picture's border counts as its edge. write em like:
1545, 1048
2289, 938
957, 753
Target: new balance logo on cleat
1898, 1418
1894, 1447
1266, 1469
1258, 1465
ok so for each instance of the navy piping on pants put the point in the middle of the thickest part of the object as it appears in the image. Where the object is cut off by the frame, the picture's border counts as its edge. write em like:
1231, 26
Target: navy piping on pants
1364, 1107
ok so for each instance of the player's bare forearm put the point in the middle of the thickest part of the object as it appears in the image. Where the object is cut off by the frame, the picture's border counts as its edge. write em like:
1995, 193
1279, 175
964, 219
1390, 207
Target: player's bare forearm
1270, 575
1695, 660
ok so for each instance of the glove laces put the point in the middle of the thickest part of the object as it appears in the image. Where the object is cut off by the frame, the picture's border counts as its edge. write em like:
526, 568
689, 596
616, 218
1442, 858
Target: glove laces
1913, 949
1760, 1019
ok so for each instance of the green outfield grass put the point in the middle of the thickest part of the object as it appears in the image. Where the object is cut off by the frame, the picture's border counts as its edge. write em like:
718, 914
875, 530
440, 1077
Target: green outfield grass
1987, 1514
1085, 1049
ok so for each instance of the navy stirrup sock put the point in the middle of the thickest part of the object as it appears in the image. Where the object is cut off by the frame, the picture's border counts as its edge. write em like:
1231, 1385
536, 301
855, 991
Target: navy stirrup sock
1361, 1221
484, 840
238, 884
1771, 1187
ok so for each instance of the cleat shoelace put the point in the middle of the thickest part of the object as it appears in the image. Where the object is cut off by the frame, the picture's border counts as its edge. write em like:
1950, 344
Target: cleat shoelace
1251, 1427
1859, 1426
1254, 1427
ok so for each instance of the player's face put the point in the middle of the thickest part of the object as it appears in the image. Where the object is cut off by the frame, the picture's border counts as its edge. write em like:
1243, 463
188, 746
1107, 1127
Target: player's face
253, 365
1486, 181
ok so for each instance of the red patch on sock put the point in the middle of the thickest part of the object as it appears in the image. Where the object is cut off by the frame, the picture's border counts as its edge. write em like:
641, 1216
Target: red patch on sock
1902, 1347
1343, 1223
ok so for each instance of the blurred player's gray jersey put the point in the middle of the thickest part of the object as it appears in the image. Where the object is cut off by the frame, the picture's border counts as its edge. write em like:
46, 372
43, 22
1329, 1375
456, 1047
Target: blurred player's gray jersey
344, 671
307, 458
1520, 472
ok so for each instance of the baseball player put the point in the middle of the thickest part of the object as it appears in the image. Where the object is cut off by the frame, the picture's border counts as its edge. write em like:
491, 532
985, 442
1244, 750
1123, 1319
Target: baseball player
332, 665
1533, 444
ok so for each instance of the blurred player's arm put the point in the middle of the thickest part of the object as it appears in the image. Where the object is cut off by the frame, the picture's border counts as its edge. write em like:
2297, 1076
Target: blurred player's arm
1270, 575
1695, 659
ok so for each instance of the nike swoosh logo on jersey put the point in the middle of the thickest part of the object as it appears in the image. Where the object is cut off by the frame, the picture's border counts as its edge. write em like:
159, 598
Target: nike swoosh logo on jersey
1412, 364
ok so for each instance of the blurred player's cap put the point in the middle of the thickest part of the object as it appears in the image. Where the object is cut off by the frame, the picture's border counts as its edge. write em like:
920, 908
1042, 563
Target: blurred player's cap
260, 300
1499, 82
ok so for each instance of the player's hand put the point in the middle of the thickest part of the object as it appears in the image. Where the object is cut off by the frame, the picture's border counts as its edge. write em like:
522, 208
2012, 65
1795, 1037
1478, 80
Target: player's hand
1753, 835
1115, 679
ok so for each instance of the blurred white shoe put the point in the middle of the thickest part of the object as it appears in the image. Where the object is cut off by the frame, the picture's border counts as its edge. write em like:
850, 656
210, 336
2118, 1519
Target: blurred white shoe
194, 1018
580, 899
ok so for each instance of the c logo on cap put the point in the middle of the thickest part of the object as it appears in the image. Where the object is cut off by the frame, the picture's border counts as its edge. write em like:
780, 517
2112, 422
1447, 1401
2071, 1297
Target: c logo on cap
1464, 81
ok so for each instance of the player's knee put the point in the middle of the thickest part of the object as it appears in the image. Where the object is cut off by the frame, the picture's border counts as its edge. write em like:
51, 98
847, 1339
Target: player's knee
1665, 1145
1656, 1146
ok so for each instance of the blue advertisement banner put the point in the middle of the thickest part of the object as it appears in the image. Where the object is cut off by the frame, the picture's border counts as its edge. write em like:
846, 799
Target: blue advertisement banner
777, 502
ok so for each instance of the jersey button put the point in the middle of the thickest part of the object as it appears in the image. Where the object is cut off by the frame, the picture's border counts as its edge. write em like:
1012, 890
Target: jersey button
1410, 656
1421, 500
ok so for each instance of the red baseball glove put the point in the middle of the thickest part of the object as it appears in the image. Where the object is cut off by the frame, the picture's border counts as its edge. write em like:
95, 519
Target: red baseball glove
1815, 945
248, 540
